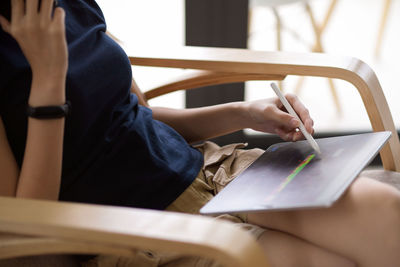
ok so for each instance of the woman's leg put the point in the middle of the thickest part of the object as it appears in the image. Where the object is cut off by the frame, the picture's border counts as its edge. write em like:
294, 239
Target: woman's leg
364, 225
285, 250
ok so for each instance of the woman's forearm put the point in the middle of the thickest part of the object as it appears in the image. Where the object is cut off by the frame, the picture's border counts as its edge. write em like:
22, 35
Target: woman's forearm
265, 115
198, 124
40, 174
39, 30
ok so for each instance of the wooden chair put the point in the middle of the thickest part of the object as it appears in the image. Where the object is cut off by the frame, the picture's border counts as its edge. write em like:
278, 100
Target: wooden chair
382, 26
34, 227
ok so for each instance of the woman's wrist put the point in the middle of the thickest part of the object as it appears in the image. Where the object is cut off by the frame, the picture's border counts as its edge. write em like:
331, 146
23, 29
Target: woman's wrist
241, 114
44, 92
50, 77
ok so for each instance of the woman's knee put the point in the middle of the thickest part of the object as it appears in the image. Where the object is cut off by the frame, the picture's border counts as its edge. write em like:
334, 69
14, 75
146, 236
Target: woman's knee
376, 196
379, 218
380, 203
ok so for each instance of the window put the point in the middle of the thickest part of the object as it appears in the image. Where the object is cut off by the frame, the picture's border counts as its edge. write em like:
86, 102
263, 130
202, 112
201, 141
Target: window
148, 25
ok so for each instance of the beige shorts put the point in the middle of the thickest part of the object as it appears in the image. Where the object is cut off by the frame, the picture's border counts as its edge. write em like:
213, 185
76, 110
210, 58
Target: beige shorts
221, 165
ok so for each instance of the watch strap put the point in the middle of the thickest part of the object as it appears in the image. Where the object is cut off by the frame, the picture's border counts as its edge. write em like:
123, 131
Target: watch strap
49, 112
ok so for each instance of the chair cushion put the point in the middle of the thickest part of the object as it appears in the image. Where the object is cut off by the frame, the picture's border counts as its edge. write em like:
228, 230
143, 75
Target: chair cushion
388, 177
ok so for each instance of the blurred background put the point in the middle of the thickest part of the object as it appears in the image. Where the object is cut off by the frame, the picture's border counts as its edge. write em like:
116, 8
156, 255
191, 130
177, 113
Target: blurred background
351, 28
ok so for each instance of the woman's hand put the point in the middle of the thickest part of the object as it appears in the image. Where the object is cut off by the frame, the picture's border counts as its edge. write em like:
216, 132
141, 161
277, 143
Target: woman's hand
41, 37
270, 116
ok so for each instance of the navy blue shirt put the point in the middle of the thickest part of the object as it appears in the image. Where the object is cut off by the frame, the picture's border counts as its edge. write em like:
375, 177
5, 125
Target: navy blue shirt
114, 151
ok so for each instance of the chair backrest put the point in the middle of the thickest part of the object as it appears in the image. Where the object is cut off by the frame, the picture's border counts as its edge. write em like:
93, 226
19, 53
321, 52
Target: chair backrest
229, 60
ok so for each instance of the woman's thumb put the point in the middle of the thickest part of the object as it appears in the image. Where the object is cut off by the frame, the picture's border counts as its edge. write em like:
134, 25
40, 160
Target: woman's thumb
5, 24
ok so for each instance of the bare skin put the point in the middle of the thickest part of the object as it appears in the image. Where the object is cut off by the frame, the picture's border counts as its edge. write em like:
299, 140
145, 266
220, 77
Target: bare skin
362, 229
283, 249
42, 40
347, 234
362, 226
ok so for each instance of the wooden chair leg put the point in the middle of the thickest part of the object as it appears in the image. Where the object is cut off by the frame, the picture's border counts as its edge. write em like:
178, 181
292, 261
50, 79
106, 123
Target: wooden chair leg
382, 27
278, 29
328, 15
318, 30
299, 85
278, 37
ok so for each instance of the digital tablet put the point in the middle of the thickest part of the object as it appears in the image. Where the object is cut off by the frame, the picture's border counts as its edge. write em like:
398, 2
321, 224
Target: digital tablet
291, 176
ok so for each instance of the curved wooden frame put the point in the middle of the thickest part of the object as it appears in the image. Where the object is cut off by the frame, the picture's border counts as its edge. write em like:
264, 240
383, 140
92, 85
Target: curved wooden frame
196, 79
59, 227
242, 61
34, 227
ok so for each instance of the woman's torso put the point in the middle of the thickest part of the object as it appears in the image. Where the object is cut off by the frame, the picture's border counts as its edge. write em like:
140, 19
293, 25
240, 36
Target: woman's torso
114, 152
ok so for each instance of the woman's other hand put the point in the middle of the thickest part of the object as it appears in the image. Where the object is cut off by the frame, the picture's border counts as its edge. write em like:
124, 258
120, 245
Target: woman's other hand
41, 37
270, 116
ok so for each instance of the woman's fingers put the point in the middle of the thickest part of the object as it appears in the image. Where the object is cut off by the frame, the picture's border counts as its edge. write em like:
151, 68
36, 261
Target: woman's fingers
297, 136
46, 9
270, 116
59, 18
32, 8
309, 123
288, 131
286, 126
301, 111
285, 119
285, 135
17, 10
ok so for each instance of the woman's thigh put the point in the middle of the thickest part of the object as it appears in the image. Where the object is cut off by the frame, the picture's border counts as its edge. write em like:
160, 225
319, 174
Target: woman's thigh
365, 219
283, 249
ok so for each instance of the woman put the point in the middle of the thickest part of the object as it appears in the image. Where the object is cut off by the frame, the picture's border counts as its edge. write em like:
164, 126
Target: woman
118, 152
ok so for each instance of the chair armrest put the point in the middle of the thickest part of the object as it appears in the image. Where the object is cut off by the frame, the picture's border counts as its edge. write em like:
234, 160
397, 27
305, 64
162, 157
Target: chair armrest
229, 60
201, 78
124, 230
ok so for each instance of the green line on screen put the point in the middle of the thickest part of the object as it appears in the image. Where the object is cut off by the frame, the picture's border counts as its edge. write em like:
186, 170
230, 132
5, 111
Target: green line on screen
290, 177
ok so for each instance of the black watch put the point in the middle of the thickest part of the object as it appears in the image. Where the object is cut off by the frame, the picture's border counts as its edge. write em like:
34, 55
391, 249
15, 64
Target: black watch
49, 112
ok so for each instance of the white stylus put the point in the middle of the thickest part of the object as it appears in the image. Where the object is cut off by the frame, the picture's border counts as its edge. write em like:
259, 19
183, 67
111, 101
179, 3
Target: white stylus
291, 111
